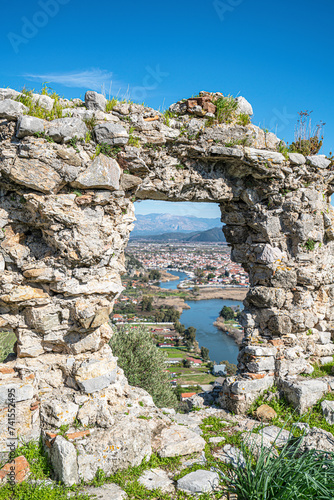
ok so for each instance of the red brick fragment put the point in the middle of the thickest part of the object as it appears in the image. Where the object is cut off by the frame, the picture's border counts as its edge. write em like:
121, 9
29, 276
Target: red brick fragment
77, 435
5, 370
19, 468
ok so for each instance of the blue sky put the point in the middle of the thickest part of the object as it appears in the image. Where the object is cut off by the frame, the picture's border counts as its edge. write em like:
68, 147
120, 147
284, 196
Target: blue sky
276, 54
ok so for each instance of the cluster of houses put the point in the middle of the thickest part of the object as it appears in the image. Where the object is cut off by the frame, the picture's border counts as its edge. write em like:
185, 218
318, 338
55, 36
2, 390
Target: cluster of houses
214, 260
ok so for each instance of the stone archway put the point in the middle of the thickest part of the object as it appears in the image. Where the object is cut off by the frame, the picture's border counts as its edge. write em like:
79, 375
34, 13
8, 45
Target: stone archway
66, 217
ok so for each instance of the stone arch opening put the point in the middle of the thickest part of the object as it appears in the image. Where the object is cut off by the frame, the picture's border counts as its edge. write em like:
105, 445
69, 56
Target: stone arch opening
187, 238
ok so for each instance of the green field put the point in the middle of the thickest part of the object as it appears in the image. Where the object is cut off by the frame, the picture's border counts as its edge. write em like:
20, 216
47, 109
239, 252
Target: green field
175, 353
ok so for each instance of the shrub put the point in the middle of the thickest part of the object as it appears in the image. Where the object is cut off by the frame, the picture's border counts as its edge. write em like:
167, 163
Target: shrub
226, 109
308, 139
143, 364
34, 109
243, 119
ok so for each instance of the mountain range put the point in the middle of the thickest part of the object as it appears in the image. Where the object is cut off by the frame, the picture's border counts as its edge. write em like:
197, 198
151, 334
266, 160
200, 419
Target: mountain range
157, 224
214, 235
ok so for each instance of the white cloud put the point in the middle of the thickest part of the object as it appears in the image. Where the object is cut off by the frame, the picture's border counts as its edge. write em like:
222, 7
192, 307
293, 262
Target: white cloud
95, 79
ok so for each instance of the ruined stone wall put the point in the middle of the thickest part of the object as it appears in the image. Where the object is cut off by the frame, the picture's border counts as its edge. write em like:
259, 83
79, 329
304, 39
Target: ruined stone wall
67, 212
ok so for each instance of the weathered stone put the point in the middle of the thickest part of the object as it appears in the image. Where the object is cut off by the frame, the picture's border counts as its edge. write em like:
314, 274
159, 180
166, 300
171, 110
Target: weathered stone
265, 413
275, 435
230, 455
11, 110
65, 129
64, 461
36, 175
200, 481
297, 158
318, 161
154, 479
94, 374
244, 106
303, 394
111, 133
108, 491
20, 391
317, 439
130, 182
29, 125
327, 408
178, 440
58, 413
125, 444
95, 101
43, 101
103, 173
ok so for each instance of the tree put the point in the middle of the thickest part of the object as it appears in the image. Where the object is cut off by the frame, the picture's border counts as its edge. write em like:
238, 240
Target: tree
154, 275
143, 364
199, 273
190, 336
195, 289
231, 368
186, 363
146, 303
227, 313
179, 327
205, 354
210, 276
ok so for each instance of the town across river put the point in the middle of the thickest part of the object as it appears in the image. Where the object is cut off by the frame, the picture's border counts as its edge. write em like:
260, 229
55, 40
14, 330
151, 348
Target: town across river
201, 315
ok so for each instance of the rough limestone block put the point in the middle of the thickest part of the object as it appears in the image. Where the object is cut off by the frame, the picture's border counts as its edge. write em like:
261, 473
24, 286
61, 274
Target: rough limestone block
29, 125
317, 439
124, 444
255, 350
318, 161
327, 408
43, 101
36, 175
246, 386
22, 391
178, 440
264, 363
200, 481
96, 374
154, 479
244, 106
111, 133
102, 173
65, 129
64, 461
297, 158
324, 338
109, 491
95, 101
303, 394
11, 110
58, 413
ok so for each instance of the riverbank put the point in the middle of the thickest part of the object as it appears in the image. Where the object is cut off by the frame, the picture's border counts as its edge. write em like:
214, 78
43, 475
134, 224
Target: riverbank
234, 333
218, 293
166, 276
177, 302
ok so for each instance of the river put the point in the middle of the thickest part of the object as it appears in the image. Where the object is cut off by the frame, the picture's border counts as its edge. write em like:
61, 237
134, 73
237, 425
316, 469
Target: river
202, 315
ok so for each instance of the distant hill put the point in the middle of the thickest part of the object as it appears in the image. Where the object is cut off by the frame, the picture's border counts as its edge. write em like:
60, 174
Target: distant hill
167, 223
211, 235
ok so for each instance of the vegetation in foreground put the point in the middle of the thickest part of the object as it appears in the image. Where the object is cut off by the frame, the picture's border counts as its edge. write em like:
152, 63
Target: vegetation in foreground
143, 364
